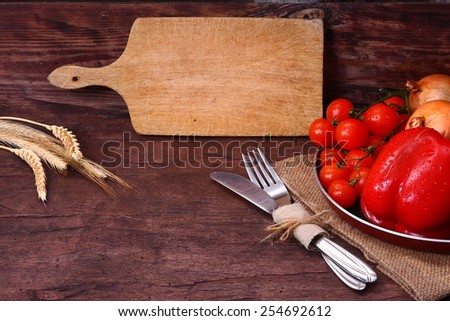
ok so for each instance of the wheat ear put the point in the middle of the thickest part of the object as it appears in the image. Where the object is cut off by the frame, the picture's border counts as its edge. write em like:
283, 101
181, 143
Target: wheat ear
51, 159
34, 162
67, 138
69, 141
57, 151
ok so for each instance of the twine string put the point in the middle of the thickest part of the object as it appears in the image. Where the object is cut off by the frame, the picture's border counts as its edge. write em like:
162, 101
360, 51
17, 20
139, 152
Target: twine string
289, 217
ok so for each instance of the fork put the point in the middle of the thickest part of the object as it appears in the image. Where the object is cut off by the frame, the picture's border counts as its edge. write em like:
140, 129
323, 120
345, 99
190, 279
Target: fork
350, 270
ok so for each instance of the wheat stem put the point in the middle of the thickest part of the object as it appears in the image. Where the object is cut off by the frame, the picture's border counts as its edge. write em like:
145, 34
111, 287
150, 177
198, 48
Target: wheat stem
25, 121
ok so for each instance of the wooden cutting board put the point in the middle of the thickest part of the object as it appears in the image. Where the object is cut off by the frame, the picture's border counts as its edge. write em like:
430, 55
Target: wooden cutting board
215, 76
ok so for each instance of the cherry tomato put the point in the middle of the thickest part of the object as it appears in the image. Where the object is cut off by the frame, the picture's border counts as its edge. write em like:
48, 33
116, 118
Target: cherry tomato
339, 110
376, 143
321, 133
394, 102
381, 119
342, 193
330, 156
330, 173
352, 134
358, 158
358, 178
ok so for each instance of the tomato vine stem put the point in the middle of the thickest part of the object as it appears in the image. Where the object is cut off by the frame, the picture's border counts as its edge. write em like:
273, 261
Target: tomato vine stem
402, 93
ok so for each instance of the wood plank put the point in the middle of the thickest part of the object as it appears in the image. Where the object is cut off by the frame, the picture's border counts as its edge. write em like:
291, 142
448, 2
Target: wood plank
182, 237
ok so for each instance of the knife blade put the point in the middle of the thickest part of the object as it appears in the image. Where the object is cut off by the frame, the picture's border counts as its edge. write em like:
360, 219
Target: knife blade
251, 192
246, 189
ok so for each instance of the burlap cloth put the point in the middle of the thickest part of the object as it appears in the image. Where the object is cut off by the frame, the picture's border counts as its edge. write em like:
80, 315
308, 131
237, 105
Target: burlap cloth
424, 276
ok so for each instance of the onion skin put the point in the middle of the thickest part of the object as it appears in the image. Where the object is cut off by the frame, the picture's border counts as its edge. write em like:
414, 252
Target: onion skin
433, 114
429, 88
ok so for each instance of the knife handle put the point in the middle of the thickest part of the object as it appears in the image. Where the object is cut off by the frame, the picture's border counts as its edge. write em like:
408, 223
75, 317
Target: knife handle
346, 260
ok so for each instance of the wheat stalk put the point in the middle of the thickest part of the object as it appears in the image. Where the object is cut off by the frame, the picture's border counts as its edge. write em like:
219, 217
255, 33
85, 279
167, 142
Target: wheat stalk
51, 159
99, 174
58, 151
12, 128
33, 160
67, 138
96, 170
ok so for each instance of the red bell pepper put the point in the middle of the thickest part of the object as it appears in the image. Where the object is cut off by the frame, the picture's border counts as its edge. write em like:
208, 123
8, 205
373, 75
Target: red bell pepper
408, 187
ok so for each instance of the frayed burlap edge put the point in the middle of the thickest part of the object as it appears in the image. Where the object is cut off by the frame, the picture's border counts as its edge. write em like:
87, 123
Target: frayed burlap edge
424, 276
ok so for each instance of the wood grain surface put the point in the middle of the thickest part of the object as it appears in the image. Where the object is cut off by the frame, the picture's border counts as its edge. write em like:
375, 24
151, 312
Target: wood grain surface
181, 237
215, 76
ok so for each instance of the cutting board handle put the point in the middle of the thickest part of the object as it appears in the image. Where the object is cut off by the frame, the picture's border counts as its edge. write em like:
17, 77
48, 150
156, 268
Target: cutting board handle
75, 77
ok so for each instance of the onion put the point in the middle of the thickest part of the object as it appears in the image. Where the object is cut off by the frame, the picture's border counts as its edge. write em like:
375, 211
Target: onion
433, 114
432, 87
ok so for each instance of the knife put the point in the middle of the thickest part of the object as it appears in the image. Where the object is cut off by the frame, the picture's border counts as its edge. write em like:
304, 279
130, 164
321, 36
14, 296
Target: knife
333, 252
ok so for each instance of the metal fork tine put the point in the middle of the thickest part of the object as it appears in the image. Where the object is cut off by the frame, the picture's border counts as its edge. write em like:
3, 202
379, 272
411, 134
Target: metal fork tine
262, 174
248, 167
272, 172
274, 175
257, 170
263, 166
252, 172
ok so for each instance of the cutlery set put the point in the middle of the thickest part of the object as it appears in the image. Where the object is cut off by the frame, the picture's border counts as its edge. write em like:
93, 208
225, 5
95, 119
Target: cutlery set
266, 190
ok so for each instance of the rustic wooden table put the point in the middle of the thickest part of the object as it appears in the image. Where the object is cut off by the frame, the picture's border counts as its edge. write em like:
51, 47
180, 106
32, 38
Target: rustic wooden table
182, 237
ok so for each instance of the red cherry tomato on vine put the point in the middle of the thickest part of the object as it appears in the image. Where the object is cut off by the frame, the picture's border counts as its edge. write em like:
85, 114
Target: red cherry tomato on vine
394, 102
330, 173
358, 158
339, 110
376, 143
321, 133
352, 134
342, 193
358, 178
381, 119
330, 156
